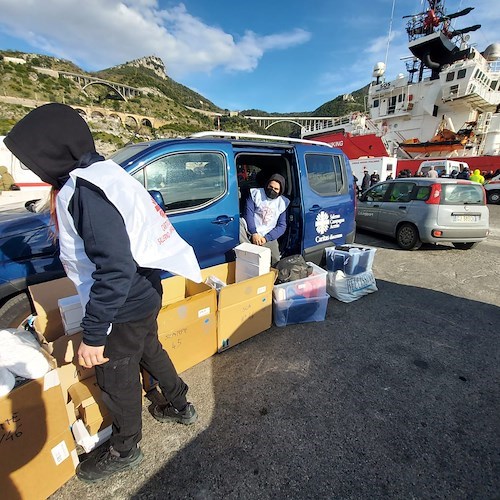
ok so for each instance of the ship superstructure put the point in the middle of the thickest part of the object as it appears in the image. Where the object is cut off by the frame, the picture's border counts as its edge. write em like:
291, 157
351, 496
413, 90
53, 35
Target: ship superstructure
447, 106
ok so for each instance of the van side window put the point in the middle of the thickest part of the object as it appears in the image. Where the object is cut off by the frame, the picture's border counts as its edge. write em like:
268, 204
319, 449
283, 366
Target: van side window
187, 180
324, 174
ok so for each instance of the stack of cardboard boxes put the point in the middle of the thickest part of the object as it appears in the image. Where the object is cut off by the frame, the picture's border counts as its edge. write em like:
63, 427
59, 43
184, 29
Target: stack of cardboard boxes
38, 452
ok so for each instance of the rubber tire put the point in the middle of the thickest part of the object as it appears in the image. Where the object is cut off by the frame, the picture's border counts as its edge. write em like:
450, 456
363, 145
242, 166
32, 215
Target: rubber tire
465, 246
493, 197
15, 311
407, 237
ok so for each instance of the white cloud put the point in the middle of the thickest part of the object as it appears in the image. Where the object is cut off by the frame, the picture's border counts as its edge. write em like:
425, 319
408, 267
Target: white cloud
99, 34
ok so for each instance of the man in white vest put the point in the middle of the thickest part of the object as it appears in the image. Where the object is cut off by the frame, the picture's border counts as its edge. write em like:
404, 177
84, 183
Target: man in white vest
113, 240
264, 216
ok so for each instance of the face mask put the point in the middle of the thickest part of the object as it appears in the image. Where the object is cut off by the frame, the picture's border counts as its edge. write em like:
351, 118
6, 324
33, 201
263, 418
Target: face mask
271, 194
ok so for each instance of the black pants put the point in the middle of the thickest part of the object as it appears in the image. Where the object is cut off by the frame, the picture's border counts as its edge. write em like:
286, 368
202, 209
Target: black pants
129, 346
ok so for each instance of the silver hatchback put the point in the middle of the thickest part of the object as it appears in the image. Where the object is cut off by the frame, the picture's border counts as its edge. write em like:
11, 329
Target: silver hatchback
422, 210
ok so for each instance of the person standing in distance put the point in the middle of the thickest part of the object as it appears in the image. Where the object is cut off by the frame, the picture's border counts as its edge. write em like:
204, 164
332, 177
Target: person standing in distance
112, 248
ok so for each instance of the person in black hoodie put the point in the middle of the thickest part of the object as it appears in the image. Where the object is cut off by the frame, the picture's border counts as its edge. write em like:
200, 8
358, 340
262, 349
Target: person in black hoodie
121, 298
264, 216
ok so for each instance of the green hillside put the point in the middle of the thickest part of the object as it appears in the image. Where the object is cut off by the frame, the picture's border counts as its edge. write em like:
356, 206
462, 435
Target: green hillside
32, 83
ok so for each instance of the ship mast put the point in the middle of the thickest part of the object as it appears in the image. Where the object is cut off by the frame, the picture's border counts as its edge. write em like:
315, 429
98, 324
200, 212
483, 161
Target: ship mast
432, 40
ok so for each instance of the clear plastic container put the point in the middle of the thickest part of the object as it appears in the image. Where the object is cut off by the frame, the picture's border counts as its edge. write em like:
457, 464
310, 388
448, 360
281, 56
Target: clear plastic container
289, 312
358, 258
312, 286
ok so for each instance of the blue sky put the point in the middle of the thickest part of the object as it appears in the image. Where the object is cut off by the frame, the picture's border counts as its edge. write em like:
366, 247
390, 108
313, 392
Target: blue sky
277, 56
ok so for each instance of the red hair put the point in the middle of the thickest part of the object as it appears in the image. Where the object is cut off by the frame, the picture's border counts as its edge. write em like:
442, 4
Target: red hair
53, 213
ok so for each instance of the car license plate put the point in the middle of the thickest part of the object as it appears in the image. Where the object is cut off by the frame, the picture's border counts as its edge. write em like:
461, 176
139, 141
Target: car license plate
465, 218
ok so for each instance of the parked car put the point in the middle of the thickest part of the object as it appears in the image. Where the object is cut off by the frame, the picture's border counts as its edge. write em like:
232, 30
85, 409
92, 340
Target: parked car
422, 210
492, 188
201, 183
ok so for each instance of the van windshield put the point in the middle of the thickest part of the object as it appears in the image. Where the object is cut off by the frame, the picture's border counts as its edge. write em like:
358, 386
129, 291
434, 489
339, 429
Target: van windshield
469, 194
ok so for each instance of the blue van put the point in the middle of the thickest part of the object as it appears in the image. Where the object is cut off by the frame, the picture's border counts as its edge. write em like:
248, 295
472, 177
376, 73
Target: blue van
201, 182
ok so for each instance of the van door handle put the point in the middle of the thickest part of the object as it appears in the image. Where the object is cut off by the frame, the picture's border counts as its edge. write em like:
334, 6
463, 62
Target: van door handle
402, 207
315, 208
376, 206
223, 220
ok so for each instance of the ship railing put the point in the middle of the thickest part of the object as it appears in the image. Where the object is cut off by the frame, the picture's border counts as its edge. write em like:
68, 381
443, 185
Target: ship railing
472, 88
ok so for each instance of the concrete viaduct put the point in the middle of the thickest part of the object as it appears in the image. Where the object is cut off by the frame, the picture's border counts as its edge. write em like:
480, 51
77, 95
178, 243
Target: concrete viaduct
132, 120
306, 123
124, 91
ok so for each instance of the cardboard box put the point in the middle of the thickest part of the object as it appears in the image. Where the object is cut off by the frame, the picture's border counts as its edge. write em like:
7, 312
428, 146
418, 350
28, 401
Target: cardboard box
187, 328
49, 328
37, 451
86, 397
244, 309
45, 296
71, 312
174, 290
251, 260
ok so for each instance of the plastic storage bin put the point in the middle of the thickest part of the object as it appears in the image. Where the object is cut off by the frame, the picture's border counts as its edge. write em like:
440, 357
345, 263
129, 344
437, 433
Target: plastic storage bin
356, 259
289, 312
312, 286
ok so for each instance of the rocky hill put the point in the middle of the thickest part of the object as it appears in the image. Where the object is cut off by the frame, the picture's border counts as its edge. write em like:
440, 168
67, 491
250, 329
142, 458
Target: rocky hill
28, 80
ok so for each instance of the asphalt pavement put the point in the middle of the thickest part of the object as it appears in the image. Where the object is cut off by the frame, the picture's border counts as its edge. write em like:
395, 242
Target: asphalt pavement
395, 395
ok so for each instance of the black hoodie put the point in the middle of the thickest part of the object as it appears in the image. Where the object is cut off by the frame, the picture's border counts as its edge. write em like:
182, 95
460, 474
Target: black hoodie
51, 141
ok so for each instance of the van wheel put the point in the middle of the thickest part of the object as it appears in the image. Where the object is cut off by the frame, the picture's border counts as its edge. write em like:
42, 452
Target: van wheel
407, 237
464, 246
15, 311
493, 196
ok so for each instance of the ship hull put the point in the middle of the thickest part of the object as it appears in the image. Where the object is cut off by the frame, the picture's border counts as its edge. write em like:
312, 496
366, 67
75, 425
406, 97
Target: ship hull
371, 146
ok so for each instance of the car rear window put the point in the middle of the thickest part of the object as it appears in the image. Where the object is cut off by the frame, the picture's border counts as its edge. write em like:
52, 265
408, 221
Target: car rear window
470, 194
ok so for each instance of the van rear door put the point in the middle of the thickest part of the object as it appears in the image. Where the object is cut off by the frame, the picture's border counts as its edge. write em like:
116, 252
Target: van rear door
328, 199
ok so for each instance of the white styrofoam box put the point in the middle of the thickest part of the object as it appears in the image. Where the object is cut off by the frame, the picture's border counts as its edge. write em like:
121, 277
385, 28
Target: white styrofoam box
251, 260
312, 286
71, 313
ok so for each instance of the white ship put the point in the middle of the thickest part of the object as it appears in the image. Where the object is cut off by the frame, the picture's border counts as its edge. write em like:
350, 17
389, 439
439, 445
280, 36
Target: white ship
447, 106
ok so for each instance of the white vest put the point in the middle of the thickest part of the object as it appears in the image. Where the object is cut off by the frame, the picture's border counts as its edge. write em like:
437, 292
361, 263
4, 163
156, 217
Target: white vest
267, 211
154, 242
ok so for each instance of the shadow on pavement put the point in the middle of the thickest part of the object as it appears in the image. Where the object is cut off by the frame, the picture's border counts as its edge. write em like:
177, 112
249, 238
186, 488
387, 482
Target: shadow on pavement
394, 395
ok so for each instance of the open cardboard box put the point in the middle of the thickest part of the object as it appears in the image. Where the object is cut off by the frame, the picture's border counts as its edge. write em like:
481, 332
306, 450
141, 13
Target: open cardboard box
50, 331
187, 328
37, 451
244, 309
86, 397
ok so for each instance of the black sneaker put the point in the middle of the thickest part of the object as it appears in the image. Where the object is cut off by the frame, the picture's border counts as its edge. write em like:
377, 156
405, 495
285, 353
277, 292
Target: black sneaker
105, 464
167, 413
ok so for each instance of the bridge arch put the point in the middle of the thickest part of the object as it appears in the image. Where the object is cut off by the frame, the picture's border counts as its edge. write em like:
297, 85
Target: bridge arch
284, 120
112, 87
146, 122
116, 117
131, 122
97, 114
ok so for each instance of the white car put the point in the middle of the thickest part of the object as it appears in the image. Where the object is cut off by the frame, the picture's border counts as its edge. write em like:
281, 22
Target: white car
492, 188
